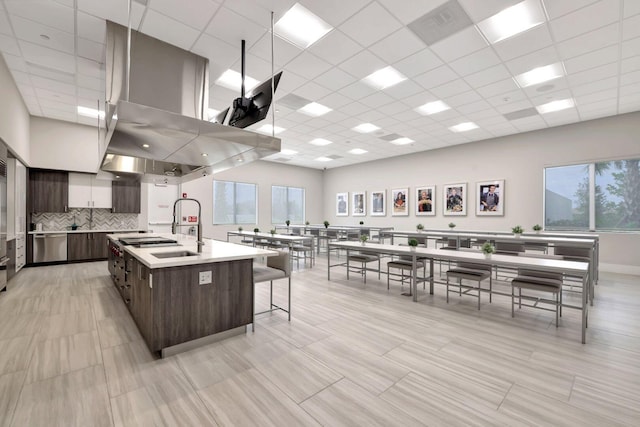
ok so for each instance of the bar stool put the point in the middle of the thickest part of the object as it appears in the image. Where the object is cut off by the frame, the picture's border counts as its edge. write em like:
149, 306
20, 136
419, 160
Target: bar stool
471, 272
540, 281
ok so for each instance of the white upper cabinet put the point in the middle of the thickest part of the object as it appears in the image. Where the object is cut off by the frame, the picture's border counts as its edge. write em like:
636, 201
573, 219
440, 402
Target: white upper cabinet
85, 191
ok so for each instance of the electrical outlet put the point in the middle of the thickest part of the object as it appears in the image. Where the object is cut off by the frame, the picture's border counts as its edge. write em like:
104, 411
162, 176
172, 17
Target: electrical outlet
205, 277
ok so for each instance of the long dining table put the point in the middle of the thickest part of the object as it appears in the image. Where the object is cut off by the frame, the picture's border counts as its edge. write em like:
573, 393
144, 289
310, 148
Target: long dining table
289, 240
573, 268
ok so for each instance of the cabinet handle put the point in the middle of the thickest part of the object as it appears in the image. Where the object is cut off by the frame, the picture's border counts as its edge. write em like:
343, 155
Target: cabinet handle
65, 208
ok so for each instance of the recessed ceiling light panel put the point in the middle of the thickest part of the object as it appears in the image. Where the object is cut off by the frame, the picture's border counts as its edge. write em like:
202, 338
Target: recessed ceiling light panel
463, 127
402, 141
90, 112
358, 151
267, 129
301, 27
288, 152
233, 80
384, 78
366, 128
320, 141
323, 159
432, 108
550, 107
512, 20
314, 109
540, 75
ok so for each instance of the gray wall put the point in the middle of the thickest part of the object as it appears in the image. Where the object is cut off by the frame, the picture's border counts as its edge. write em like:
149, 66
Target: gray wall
518, 159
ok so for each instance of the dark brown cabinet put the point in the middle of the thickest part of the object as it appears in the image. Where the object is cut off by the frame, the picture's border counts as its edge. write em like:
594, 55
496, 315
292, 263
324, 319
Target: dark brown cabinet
125, 196
48, 190
11, 254
86, 246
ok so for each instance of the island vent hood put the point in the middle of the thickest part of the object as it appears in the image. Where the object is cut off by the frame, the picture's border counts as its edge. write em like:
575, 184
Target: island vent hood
156, 110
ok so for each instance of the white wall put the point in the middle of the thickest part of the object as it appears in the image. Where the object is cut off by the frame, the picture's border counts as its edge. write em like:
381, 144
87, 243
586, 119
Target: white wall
56, 144
14, 116
264, 174
518, 159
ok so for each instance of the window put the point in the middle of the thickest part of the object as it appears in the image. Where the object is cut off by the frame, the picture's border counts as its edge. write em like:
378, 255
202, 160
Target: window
287, 203
595, 196
234, 203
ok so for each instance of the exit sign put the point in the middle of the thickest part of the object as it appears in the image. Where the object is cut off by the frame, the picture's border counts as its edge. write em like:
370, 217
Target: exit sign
193, 218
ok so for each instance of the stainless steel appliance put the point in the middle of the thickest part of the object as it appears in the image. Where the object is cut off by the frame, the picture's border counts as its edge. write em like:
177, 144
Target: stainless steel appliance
3, 217
147, 241
49, 247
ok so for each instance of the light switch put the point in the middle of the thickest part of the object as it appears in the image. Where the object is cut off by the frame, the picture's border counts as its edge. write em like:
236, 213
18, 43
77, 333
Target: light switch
205, 277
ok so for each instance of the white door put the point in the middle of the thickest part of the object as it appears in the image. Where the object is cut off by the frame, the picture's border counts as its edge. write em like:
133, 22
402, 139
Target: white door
161, 199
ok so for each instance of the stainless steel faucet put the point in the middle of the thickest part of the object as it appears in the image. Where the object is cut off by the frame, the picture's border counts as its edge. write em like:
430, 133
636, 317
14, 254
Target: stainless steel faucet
175, 225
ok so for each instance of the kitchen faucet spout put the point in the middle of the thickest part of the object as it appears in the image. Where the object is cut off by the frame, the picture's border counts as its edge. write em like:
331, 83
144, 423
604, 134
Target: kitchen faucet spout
175, 225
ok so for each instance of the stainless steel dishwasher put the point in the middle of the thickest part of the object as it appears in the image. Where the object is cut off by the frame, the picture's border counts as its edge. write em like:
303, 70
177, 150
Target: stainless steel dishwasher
49, 247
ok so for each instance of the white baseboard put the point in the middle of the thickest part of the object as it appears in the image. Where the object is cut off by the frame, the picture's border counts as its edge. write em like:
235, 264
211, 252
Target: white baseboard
620, 268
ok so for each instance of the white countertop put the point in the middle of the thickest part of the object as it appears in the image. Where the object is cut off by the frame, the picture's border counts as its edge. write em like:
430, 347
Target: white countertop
212, 251
95, 230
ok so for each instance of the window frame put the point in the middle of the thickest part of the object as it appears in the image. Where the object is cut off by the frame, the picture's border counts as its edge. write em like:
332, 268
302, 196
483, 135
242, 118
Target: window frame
288, 215
235, 210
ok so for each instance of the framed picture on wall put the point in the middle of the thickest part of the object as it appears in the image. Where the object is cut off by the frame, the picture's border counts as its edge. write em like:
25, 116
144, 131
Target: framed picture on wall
400, 202
425, 201
358, 203
378, 203
342, 204
454, 200
490, 198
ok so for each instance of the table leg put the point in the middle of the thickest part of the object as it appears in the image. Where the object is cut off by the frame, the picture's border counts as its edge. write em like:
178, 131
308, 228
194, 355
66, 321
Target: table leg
328, 266
414, 281
585, 306
430, 276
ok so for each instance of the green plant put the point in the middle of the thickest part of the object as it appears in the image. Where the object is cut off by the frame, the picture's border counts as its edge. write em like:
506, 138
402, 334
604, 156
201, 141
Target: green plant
272, 231
420, 227
240, 229
537, 227
361, 222
364, 238
413, 242
517, 230
451, 225
326, 224
488, 248
307, 223
287, 222
256, 230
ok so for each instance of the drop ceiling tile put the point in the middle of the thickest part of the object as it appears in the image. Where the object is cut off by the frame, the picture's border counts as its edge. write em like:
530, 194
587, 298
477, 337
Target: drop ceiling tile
259, 12
313, 91
334, 12
589, 42
90, 83
91, 28
490, 75
451, 88
586, 19
563, 117
397, 46
15, 62
255, 67
91, 50
91, 95
546, 89
436, 77
5, 26
478, 11
196, 15
592, 59
308, 65
48, 13
48, 73
629, 78
377, 99
113, 10
630, 47
370, 24
555, 9
593, 74
473, 107
335, 79
599, 96
355, 109
404, 89
418, 63
600, 106
534, 39
69, 108
90, 68
48, 58
462, 99
9, 45
596, 86
393, 108
27, 90
475, 62
233, 28
631, 7
59, 114
631, 27
533, 60
221, 54
21, 77
335, 101
283, 51
289, 82
629, 89
507, 98
167, 29
357, 90
31, 31
362, 64
53, 85
460, 44
42, 93
335, 47
498, 88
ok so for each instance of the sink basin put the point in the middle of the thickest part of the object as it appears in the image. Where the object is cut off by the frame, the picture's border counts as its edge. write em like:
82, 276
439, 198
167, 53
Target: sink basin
176, 254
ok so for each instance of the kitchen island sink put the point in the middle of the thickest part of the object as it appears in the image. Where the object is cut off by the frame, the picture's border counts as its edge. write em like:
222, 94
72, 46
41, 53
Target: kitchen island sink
176, 254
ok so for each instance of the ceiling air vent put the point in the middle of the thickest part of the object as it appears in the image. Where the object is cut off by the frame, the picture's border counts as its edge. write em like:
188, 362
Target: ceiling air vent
281, 159
294, 102
334, 157
391, 137
441, 22
520, 114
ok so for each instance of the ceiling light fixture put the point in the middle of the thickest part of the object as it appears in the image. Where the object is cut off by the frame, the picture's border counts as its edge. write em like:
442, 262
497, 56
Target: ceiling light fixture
512, 20
145, 145
540, 75
205, 155
314, 109
267, 129
90, 112
384, 78
402, 141
432, 108
301, 27
288, 152
323, 159
358, 151
559, 105
45, 37
463, 127
366, 128
233, 80
320, 141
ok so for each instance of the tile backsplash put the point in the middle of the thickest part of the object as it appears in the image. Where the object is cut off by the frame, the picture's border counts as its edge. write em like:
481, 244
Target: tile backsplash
103, 219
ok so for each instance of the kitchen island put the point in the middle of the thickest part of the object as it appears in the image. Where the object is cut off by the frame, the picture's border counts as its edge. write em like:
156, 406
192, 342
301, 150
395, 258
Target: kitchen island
180, 298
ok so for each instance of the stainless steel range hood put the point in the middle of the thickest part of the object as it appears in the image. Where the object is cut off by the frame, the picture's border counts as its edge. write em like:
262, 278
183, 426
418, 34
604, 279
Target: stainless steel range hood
159, 127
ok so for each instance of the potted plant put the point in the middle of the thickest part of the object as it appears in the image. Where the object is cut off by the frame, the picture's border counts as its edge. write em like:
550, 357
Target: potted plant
326, 224
240, 229
487, 249
363, 238
256, 230
537, 228
288, 222
272, 231
517, 230
413, 244
452, 225
420, 227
